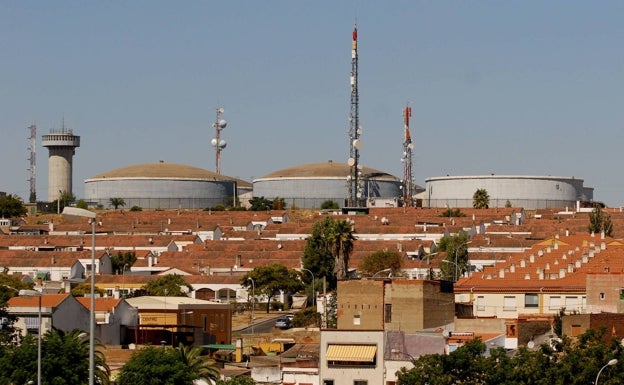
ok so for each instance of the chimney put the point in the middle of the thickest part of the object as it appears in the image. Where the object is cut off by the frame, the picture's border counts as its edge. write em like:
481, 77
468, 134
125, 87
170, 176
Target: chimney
512, 268
527, 276
239, 261
591, 254
570, 268
556, 246
603, 245
523, 262
532, 258
547, 267
548, 249
567, 233
602, 234
585, 258
501, 273
540, 252
578, 263
562, 273
150, 260
540, 275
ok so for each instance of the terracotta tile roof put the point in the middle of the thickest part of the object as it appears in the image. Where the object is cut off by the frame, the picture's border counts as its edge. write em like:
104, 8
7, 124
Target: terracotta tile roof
101, 304
47, 300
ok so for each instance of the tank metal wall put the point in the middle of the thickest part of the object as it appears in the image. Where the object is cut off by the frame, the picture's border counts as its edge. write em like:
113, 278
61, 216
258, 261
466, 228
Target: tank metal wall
311, 193
160, 193
528, 192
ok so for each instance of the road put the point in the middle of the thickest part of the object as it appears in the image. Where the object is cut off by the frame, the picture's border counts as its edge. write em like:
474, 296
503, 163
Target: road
262, 326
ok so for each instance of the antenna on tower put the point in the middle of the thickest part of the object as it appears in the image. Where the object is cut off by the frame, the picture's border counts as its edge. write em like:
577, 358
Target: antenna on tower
218, 143
32, 159
355, 130
408, 177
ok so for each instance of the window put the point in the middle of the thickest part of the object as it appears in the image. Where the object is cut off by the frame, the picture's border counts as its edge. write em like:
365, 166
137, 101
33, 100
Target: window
576, 330
360, 382
531, 300
621, 293
480, 303
602, 296
356, 319
388, 312
328, 382
509, 303
555, 303
571, 303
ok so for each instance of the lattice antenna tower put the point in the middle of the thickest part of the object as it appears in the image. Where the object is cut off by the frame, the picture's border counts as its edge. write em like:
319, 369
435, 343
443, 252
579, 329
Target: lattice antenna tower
355, 130
218, 143
408, 146
32, 163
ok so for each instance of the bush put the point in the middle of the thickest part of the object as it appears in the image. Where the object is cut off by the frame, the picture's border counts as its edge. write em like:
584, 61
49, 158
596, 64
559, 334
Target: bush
329, 205
306, 317
136, 208
277, 306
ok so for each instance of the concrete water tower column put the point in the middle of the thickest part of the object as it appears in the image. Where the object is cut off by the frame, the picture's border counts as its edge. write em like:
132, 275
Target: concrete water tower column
62, 147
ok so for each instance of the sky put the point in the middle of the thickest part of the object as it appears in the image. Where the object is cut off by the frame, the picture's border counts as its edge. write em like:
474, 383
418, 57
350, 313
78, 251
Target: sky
495, 87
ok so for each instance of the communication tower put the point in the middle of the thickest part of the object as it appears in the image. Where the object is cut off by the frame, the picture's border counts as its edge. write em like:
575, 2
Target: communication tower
62, 148
32, 163
218, 143
355, 130
408, 176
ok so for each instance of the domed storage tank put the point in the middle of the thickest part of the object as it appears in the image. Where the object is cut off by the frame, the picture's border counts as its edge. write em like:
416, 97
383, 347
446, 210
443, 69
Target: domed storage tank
161, 186
309, 185
530, 192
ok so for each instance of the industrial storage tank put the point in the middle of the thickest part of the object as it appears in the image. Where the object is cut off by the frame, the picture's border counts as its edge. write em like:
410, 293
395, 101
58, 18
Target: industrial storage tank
529, 192
309, 185
162, 186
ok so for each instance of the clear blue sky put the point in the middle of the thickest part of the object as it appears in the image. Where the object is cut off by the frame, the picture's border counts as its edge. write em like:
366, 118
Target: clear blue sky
504, 87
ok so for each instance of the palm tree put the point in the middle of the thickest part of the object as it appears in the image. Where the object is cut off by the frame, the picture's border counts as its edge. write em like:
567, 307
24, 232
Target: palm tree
201, 367
116, 202
481, 199
340, 237
66, 356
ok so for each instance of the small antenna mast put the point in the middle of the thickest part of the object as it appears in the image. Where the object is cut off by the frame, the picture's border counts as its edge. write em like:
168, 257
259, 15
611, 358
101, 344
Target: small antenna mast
218, 143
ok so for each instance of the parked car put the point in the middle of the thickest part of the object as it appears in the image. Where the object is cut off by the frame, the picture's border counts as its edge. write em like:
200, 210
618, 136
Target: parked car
283, 323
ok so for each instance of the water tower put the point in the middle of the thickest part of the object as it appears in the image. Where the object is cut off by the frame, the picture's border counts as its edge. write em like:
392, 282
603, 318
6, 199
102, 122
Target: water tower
62, 147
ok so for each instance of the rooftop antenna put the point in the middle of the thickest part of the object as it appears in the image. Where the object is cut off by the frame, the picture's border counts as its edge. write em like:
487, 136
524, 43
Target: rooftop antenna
32, 159
355, 130
408, 176
218, 143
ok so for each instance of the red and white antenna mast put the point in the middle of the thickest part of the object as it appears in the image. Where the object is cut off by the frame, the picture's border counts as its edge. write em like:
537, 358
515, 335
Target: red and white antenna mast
408, 176
355, 130
218, 143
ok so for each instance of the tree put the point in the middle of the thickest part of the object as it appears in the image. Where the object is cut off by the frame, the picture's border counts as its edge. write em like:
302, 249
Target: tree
64, 360
449, 213
279, 203
201, 367
155, 366
481, 199
171, 285
317, 253
599, 222
117, 202
12, 206
329, 205
63, 200
260, 204
123, 260
84, 289
456, 257
82, 204
270, 280
340, 237
382, 260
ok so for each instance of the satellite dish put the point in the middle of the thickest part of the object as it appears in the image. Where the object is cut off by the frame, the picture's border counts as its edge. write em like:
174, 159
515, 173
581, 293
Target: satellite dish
445, 333
221, 110
222, 123
360, 167
359, 130
531, 345
213, 142
351, 162
222, 143
410, 146
357, 144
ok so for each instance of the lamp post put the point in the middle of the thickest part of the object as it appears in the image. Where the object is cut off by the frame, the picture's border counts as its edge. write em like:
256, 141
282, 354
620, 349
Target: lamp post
456, 264
313, 287
123, 280
34, 293
610, 363
253, 301
75, 211
381, 271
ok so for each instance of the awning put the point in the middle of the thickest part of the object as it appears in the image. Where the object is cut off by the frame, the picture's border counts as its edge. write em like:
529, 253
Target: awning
351, 353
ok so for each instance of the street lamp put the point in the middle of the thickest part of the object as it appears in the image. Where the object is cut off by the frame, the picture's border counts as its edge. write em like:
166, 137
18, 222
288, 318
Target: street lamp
253, 301
382, 271
35, 293
610, 363
456, 265
313, 287
123, 280
75, 211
